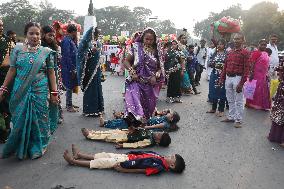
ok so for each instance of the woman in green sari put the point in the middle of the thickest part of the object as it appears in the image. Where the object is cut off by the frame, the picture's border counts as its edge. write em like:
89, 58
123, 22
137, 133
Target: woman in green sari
33, 99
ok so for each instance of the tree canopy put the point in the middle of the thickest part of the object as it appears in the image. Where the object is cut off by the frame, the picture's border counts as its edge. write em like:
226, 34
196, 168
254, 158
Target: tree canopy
112, 20
258, 22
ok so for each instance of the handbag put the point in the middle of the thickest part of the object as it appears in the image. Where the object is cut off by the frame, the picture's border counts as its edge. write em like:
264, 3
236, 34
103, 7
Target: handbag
249, 89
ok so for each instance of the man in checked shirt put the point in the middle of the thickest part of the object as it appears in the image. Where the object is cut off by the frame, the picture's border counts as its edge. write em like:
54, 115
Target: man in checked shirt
235, 72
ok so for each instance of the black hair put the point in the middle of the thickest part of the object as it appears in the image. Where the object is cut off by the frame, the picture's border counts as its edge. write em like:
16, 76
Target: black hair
190, 46
96, 32
10, 32
29, 25
173, 127
45, 30
155, 45
150, 31
268, 50
165, 140
273, 35
262, 40
167, 44
176, 117
180, 36
179, 164
71, 28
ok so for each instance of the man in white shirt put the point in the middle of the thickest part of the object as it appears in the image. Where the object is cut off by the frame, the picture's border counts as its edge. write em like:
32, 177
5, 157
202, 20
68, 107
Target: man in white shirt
274, 59
210, 52
201, 55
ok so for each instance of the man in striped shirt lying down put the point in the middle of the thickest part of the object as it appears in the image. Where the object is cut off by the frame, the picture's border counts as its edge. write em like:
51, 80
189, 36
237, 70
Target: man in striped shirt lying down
145, 162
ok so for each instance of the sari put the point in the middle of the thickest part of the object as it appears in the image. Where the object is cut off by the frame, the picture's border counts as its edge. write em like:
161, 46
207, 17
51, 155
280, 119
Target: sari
89, 72
261, 98
173, 70
34, 119
140, 96
185, 82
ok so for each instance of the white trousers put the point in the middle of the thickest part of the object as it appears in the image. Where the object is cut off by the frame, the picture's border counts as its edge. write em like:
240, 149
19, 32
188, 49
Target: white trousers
107, 160
235, 100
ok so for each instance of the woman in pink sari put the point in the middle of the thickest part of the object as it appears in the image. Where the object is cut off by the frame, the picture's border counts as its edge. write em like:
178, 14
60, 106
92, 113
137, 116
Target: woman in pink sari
259, 71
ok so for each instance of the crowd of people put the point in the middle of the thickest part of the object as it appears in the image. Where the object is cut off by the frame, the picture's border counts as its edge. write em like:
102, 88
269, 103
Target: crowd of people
35, 73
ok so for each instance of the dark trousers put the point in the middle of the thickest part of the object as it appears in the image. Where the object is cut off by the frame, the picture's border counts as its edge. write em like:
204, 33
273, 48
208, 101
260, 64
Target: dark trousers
192, 81
220, 103
4, 108
199, 70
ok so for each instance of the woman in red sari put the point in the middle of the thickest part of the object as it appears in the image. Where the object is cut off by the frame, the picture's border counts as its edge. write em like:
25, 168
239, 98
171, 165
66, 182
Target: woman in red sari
259, 71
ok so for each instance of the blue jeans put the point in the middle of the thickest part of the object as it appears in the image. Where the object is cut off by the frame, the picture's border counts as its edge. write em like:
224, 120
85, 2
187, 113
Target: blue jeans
69, 98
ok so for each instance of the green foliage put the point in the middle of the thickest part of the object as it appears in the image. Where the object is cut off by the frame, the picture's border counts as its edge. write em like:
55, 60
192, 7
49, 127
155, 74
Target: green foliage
48, 13
17, 13
278, 28
112, 20
202, 28
259, 22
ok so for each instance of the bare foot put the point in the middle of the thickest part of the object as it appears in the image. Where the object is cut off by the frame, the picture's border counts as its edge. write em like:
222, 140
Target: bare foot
68, 157
75, 152
102, 121
85, 132
117, 115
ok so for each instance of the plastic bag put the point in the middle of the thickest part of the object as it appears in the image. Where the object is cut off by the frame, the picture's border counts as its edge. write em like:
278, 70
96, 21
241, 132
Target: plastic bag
249, 88
273, 87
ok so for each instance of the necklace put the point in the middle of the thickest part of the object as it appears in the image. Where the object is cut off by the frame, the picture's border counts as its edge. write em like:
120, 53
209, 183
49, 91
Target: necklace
32, 49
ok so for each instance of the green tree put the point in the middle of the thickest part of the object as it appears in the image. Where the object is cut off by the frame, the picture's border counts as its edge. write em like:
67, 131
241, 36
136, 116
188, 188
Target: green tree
48, 13
141, 16
202, 29
112, 20
278, 28
165, 27
259, 20
16, 14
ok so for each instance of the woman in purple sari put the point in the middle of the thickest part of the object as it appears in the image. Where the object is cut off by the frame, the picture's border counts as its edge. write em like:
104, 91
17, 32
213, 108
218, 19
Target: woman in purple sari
145, 72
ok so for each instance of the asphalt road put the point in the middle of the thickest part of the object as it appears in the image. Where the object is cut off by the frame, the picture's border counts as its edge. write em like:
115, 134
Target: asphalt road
218, 156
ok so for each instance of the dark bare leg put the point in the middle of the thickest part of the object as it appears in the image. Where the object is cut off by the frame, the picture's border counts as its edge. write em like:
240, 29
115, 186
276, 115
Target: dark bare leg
72, 161
79, 155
